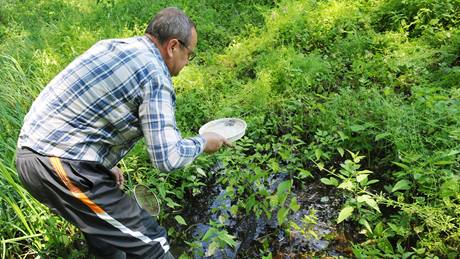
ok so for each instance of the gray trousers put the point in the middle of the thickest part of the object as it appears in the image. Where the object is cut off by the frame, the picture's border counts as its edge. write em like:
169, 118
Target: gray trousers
86, 194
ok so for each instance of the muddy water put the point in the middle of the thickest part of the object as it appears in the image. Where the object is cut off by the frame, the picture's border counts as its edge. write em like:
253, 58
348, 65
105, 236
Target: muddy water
320, 236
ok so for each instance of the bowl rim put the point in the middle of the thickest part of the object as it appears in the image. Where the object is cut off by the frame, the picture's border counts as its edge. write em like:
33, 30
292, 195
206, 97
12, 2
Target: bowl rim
241, 132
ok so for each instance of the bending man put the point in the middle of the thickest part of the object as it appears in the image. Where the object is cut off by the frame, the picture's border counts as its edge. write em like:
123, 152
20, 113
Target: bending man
91, 114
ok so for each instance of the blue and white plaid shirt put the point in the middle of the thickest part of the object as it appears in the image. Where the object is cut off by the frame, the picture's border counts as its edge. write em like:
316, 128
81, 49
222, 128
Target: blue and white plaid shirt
102, 103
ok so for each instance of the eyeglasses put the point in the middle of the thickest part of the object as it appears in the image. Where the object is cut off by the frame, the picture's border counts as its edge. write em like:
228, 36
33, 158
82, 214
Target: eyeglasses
191, 54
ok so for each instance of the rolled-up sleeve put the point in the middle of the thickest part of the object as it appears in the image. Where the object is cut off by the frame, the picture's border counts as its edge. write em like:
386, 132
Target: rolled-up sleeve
167, 149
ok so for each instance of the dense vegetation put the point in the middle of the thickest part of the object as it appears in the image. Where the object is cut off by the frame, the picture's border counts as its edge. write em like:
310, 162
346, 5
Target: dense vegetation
358, 95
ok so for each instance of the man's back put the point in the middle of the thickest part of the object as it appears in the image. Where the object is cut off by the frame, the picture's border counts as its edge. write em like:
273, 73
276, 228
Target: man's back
90, 111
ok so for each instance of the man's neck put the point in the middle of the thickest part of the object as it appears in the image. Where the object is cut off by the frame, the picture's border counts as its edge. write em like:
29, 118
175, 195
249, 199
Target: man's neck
156, 42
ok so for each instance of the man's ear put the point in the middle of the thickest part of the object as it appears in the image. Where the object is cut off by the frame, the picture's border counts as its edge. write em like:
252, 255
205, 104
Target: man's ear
171, 46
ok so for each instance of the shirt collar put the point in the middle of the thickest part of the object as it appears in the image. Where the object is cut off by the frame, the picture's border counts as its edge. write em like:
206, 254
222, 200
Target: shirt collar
155, 51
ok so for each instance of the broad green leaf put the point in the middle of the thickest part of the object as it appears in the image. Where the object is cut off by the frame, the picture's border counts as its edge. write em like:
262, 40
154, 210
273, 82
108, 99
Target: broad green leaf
334, 181
372, 181
227, 238
234, 210
320, 166
385, 245
453, 152
449, 188
341, 151
329, 181
357, 128
362, 177
304, 173
401, 185
345, 213
251, 201
342, 135
326, 181
318, 153
210, 233
282, 215
180, 220
170, 203
282, 198
212, 249
444, 162
284, 187
365, 223
378, 230
347, 185
293, 205
201, 172
273, 200
369, 201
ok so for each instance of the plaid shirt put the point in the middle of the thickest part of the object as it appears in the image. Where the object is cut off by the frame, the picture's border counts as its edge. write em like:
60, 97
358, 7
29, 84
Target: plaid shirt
100, 105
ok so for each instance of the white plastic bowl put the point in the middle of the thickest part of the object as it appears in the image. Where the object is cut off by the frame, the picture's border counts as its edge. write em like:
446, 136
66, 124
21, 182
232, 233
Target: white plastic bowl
230, 128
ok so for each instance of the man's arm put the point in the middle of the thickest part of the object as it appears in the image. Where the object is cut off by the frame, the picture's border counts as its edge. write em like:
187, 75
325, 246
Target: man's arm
167, 149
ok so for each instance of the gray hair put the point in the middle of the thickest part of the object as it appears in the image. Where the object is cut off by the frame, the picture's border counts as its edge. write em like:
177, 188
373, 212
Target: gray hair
171, 23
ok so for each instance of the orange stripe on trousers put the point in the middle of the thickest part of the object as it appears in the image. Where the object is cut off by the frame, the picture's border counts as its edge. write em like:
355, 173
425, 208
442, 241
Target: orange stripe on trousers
76, 192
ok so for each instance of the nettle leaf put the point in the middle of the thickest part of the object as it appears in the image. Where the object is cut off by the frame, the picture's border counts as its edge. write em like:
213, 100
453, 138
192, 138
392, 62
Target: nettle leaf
369, 201
180, 220
401, 185
345, 213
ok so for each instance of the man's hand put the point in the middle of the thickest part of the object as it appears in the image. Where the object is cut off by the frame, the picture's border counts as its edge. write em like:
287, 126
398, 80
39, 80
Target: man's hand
118, 174
214, 142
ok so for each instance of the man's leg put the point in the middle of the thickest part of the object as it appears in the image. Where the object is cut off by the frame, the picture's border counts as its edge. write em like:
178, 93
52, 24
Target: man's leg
86, 195
101, 250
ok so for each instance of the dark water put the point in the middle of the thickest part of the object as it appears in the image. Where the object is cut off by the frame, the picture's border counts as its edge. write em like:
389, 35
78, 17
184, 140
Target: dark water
317, 236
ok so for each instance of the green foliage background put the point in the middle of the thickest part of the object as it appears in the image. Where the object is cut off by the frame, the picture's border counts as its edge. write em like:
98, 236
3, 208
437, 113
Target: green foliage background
311, 78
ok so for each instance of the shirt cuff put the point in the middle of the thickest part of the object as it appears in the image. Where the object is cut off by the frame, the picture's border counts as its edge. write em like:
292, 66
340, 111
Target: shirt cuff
201, 143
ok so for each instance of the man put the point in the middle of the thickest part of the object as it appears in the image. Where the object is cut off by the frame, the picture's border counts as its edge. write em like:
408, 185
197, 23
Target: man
91, 114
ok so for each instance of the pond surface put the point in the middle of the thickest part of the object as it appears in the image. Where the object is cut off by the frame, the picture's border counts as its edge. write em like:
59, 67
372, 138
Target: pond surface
317, 235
